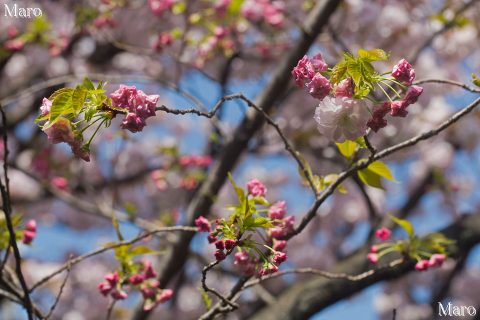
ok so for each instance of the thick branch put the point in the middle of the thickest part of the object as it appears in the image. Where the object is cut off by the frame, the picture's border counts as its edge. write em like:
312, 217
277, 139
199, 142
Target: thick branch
313, 295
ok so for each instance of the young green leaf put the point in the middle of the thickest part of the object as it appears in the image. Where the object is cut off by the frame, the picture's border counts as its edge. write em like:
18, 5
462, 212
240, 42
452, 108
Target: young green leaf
404, 224
373, 54
370, 178
381, 169
347, 148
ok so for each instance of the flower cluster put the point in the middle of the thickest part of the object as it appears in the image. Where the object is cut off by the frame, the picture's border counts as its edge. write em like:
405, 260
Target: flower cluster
404, 74
139, 105
30, 232
252, 257
116, 284
270, 12
62, 131
308, 75
346, 105
429, 252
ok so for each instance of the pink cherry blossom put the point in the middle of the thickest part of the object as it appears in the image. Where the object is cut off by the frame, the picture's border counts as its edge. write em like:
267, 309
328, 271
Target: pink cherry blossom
404, 72
256, 188
341, 119
319, 87
203, 224
277, 210
345, 88
139, 105
377, 121
60, 131
45, 107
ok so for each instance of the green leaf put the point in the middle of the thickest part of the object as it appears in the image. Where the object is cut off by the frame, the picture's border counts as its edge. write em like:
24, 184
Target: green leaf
382, 170
354, 69
78, 98
370, 178
62, 104
347, 148
60, 91
240, 193
207, 301
339, 72
373, 54
404, 224
476, 80
116, 226
88, 84
140, 250
260, 222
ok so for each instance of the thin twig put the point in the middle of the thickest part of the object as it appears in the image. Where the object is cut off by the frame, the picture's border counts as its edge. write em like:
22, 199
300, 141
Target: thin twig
322, 273
57, 298
449, 82
78, 259
270, 121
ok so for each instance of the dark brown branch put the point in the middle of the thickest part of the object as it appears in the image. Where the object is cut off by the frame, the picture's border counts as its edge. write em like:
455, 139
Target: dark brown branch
7, 209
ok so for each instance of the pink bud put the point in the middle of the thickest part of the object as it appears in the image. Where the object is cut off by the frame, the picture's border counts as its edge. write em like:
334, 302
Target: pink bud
147, 292
104, 288
28, 237
383, 234
372, 257
280, 257
422, 265
148, 270
220, 245
31, 225
256, 188
136, 279
211, 238
165, 295
59, 183
373, 249
203, 224
112, 278
279, 245
119, 295
229, 244
219, 255
436, 260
